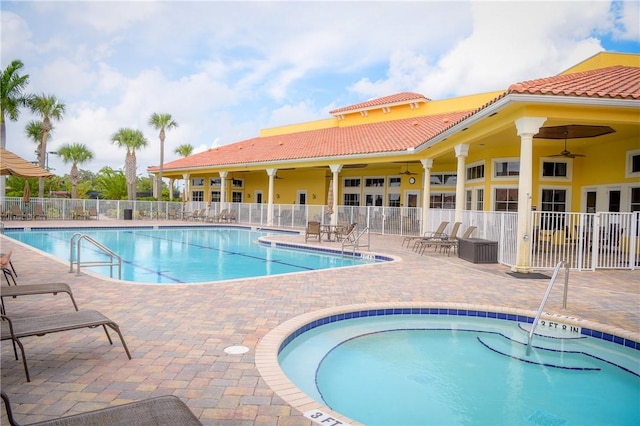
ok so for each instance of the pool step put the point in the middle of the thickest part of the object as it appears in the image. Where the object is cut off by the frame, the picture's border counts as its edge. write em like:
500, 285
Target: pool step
549, 355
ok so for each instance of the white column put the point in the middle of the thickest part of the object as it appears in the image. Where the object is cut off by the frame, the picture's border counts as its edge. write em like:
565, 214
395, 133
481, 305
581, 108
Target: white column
526, 127
272, 175
462, 151
427, 164
185, 190
223, 190
171, 182
335, 169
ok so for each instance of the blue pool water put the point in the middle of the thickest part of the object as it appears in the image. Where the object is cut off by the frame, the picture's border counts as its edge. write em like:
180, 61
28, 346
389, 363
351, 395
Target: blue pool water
442, 369
184, 255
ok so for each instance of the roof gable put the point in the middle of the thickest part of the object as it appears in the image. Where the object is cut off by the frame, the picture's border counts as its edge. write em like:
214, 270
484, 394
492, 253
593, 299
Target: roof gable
402, 98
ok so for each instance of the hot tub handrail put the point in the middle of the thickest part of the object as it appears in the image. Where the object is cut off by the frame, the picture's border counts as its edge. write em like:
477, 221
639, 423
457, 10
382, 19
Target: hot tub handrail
546, 296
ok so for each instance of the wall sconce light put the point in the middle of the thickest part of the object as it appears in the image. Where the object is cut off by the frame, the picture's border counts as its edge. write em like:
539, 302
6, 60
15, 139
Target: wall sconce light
313, 196
277, 195
248, 195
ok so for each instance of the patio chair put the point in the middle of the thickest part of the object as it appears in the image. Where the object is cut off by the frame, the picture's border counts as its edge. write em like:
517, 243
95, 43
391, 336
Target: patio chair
192, 215
17, 328
16, 212
34, 289
168, 410
343, 232
172, 214
213, 217
231, 217
427, 234
437, 240
7, 268
38, 212
455, 243
93, 212
312, 231
79, 213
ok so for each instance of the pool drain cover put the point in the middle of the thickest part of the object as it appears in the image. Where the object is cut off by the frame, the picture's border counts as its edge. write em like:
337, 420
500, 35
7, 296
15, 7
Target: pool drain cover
236, 350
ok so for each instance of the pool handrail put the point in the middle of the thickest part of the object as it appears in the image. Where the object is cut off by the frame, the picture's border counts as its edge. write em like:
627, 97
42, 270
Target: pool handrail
80, 236
546, 296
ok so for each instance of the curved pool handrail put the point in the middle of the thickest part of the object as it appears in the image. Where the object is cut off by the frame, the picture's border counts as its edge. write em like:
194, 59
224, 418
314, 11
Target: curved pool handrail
546, 296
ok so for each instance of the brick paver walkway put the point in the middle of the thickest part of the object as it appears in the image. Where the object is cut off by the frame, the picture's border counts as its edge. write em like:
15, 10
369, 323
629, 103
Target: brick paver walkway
177, 333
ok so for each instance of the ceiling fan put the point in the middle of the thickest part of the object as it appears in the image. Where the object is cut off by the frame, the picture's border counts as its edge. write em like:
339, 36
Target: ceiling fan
408, 172
566, 153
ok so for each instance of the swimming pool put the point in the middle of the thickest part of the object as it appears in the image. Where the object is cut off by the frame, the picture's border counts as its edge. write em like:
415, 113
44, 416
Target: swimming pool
165, 255
460, 366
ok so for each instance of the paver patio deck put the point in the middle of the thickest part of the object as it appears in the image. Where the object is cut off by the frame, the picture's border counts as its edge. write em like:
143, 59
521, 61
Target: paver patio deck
177, 333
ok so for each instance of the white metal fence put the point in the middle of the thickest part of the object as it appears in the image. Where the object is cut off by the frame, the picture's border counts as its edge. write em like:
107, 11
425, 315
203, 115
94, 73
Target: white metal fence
587, 241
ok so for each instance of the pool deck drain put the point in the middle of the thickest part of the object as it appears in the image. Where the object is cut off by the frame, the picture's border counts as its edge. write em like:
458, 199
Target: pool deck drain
236, 350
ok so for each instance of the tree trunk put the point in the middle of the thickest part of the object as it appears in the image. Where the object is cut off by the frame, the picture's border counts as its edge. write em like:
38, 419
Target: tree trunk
130, 174
74, 177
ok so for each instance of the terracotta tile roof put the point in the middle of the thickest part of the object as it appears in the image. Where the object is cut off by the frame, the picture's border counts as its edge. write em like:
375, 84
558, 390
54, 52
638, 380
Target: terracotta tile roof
389, 136
617, 82
403, 97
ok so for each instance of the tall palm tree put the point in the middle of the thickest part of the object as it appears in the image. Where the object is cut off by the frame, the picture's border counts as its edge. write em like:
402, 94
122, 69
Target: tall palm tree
33, 130
12, 97
49, 108
77, 153
184, 150
131, 140
161, 122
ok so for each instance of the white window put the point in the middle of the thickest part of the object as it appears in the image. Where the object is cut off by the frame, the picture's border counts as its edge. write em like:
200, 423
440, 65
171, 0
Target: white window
480, 199
377, 182
506, 168
505, 199
443, 200
475, 172
197, 195
553, 200
237, 183
215, 196
215, 182
632, 168
555, 169
444, 179
197, 182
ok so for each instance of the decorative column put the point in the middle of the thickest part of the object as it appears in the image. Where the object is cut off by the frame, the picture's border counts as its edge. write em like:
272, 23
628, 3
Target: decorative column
223, 190
272, 175
427, 164
185, 190
335, 169
527, 127
171, 182
462, 151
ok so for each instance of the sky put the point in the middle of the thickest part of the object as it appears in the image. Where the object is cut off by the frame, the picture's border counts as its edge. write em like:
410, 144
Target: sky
225, 70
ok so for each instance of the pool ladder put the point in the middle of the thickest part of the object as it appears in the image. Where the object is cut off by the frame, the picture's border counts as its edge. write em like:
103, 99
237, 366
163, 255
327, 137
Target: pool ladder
75, 242
353, 240
546, 296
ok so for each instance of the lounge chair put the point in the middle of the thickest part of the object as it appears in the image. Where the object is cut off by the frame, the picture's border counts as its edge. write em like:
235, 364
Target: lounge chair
33, 289
437, 240
17, 328
16, 212
93, 212
453, 243
231, 217
79, 213
312, 231
193, 215
7, 268
38, 212
343, 232
172, 214
166, 410
427, 234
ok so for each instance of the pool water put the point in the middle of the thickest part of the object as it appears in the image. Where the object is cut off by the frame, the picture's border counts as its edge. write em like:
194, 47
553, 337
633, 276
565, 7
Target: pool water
440, 369
184, 255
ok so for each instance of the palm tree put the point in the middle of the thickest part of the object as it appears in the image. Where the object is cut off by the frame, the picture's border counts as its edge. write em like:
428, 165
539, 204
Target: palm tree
49, 108
184, 150
12, 85
112, 183
131, 140
161, 122
77, 153
33, 130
